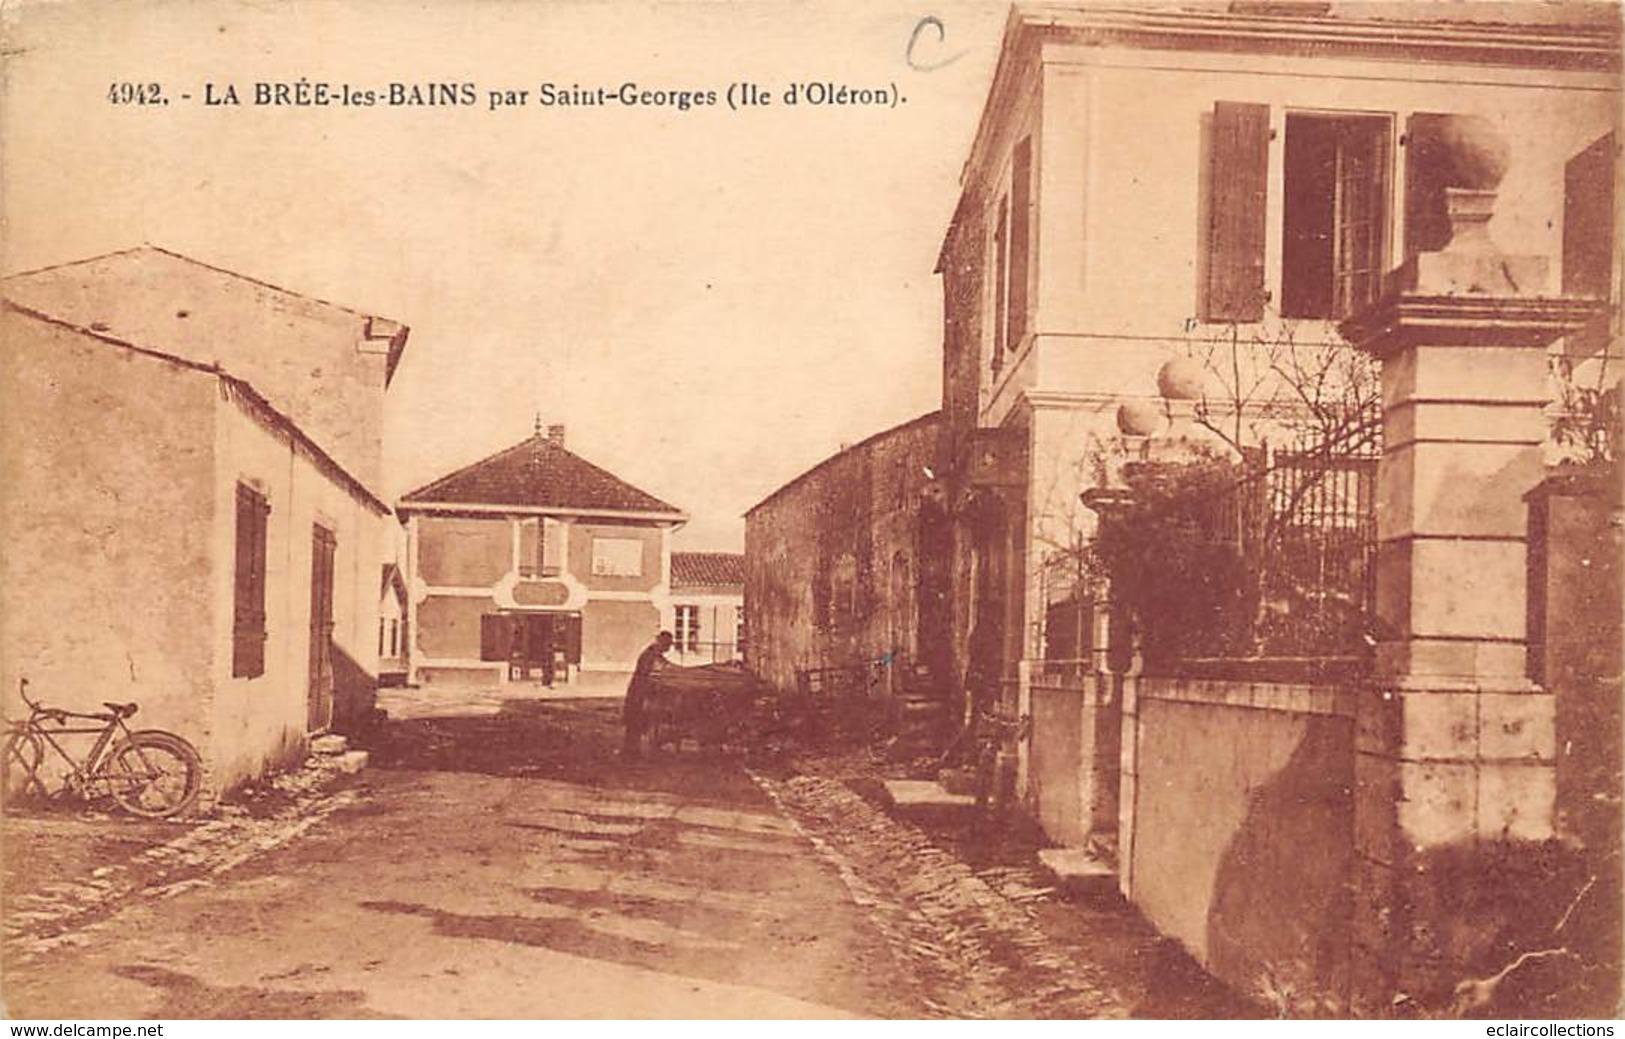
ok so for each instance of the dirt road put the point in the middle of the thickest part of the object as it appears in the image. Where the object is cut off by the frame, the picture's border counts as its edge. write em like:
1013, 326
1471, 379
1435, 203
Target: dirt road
504, 866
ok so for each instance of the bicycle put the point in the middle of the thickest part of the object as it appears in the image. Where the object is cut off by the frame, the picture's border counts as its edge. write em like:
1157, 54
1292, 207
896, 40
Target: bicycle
997, 734
148, 772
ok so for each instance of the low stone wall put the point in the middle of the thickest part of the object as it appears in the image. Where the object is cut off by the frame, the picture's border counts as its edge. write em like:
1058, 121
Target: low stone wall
1073, 758
1238, 818
1055, 763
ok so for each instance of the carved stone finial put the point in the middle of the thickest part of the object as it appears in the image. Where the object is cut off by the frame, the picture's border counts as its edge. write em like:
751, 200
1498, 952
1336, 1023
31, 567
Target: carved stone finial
1139, 418
1472, 156
1478, 152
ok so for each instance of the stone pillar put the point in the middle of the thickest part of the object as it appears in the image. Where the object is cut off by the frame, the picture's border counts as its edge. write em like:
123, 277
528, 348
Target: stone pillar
1455, 777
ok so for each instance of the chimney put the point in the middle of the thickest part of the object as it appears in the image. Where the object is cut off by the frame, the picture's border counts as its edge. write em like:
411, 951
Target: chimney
555, 433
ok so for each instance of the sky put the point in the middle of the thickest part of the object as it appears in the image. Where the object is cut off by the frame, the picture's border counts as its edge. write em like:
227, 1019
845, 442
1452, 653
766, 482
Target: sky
711, 301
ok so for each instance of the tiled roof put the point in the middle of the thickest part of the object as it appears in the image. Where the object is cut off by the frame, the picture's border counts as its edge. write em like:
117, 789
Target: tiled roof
538, 473
707, 568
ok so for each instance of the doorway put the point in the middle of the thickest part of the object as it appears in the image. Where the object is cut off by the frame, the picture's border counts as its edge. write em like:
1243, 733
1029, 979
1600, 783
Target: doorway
319, 697
543, 646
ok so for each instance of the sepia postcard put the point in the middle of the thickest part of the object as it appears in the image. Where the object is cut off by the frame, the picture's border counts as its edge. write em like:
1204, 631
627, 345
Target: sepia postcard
639, 509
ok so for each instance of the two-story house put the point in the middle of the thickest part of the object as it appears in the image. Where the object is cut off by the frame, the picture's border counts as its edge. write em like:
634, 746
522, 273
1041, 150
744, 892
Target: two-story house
191, 510
533, 566
1149, 183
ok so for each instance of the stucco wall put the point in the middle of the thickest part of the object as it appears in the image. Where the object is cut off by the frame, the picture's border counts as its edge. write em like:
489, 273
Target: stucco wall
261, 722
107, 505
1242, 833
322, 371
448, 627
719, 623
1115, 178
1055, 763
614, 632
460, 568
464, 552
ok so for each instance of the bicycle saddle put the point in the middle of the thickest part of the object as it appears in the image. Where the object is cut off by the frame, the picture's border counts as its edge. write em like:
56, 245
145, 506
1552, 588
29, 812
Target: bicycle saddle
123, 710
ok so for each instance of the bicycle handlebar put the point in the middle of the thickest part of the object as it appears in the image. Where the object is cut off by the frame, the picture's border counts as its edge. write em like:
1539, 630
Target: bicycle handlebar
55, 714
58, 716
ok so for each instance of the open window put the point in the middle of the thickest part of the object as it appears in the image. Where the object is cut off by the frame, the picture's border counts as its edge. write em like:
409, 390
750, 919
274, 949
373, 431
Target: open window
1336, 184
1334, 240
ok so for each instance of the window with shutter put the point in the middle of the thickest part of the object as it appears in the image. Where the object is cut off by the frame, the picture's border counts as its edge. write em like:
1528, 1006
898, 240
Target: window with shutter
1021, 175
1238, 181
1001, 281
541, 547
248, 605
1336, 214
530, 547
551, 563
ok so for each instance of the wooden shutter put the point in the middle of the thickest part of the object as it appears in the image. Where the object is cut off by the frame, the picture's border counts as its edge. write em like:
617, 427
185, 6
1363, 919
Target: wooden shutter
496, 636
1021, 177
1238, 181
1588, 220
1001, 281
572, 639
248, 606
530, 547
552, 561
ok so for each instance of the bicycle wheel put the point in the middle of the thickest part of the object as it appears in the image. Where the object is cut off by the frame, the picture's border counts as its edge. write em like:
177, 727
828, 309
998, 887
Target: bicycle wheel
154, 774
19, 767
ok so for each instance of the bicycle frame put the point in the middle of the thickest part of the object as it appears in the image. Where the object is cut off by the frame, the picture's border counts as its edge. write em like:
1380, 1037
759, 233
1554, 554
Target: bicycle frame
81, 773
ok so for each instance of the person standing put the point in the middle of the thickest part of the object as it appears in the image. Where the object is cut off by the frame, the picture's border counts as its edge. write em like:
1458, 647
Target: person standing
633, 714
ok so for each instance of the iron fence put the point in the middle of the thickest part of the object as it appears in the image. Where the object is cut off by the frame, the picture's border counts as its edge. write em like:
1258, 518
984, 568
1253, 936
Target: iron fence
1304, 525
697, 651
1289, 575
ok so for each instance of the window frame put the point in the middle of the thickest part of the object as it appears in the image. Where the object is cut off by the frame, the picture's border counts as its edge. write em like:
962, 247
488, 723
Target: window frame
685, 636
1385, 202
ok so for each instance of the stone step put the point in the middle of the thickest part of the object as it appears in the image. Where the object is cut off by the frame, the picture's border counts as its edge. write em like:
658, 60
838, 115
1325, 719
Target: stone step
330, 744
352, 761
1076, 871
926, 795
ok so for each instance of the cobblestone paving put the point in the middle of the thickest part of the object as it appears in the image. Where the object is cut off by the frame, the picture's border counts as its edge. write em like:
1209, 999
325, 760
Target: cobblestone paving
44, 914
976, 947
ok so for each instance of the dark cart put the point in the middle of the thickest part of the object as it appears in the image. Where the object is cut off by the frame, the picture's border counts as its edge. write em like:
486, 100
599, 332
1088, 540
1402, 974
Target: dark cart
715, 706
